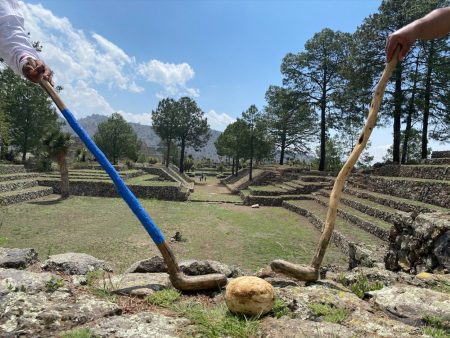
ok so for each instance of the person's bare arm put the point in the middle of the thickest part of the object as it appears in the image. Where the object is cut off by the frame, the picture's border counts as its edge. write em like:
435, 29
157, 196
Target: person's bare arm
434, 25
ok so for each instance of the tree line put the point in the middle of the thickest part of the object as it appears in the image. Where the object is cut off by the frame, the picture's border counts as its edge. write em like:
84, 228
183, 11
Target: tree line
327, 89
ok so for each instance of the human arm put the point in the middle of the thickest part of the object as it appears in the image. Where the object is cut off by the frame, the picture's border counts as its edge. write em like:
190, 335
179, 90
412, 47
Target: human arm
434, 25
15, 47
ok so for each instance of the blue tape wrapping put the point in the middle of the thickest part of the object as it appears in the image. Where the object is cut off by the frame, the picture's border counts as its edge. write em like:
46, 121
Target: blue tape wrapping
122, 188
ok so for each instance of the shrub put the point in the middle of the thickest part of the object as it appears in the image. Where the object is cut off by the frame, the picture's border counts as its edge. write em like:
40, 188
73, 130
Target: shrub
164, 298
329, 313
78, 333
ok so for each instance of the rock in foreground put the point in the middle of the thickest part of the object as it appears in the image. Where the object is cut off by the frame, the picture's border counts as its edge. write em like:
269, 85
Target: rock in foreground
75, 264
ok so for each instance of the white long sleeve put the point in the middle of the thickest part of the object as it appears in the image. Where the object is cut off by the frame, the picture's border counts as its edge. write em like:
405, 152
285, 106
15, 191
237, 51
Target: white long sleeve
15, 47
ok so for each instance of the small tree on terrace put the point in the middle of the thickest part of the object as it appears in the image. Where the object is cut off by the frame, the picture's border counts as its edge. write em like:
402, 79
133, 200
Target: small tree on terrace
56, 144
193, 129
116, 138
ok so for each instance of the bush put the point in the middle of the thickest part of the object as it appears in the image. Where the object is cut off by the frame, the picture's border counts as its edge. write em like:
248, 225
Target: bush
152, 160
41, 163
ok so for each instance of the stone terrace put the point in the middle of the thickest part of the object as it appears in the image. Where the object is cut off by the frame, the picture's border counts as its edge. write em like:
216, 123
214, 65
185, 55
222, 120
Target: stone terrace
370, 204
18, 185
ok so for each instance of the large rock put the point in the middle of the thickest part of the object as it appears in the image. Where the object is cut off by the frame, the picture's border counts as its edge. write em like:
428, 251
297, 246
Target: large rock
141, 325
136, 284
293, 328
412, 303
46, 314
298, 299
17, 258
12, 280
367, 324
203, 267
249, 296
154, 264
75, 263
419, 243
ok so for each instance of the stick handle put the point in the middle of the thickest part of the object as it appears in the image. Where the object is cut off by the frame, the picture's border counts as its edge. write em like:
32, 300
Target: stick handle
336, 193
122, 188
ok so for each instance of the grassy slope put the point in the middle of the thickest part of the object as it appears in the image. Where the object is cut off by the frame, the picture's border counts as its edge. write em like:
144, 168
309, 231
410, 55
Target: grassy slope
105, 228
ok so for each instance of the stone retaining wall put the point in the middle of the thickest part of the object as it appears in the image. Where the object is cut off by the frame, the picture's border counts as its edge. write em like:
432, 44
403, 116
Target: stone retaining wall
107, 189
421, 243
413, 171
337, 238
398, 205
367, 226
432, 192
441, 154
157, 171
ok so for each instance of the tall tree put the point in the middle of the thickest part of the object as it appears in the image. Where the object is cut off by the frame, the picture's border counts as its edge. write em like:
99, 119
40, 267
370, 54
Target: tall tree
402, 89
233, 142
165, 123
56, 144
316, 72
4, 132
290, 120
29, 111
251, 117
117, 139
193, 129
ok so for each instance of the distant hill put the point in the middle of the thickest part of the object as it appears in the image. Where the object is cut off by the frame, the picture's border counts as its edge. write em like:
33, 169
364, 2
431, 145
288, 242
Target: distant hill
147, 135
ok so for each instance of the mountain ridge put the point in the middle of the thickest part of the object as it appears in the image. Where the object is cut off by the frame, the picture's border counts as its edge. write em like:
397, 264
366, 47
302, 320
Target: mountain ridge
147, 135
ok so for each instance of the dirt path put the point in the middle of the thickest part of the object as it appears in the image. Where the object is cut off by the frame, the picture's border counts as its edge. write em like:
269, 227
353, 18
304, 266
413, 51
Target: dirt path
212, 191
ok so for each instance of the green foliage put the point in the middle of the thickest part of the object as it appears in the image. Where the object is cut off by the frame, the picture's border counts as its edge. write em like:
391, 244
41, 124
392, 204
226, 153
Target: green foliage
28, 110
152, 160
290, 120
436, 327
328, 313
414, 153
53, 284
280, 308
164, 298
217, 321
361, 285
78, 333
99, 284
333, 156
442, 286
116, 138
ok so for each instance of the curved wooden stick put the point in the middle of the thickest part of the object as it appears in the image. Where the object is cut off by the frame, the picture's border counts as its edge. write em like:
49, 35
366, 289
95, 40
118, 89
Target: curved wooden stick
311, 273
336, 193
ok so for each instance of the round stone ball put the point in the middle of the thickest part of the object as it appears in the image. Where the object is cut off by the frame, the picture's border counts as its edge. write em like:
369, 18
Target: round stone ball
249, 295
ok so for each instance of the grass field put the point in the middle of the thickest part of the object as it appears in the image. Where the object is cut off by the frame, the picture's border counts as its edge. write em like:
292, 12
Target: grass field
106, 228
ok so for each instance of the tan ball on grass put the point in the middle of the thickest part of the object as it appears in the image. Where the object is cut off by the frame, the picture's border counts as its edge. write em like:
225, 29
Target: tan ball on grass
249, 295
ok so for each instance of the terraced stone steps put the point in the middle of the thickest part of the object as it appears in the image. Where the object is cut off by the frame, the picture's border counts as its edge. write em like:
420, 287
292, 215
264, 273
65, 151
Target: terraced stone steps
361, 218
17, 185
436, 161
436, 192
368, 207
17, 196
396, 203
243, 182
18, 176
274, 201
416, 171
11, 169
345, 232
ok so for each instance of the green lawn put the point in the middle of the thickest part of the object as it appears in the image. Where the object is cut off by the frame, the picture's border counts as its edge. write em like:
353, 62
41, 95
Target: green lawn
106, 228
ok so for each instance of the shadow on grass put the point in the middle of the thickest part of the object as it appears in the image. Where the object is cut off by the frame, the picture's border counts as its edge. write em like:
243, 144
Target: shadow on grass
50, 201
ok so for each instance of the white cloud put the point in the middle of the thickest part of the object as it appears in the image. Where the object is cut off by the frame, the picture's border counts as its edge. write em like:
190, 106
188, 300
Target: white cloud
145, 118
82, 61
166, 73
219, 121
171, 76
379, 151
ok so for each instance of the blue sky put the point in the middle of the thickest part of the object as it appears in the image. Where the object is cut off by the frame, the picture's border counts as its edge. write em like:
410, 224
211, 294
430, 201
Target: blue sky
124, 56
